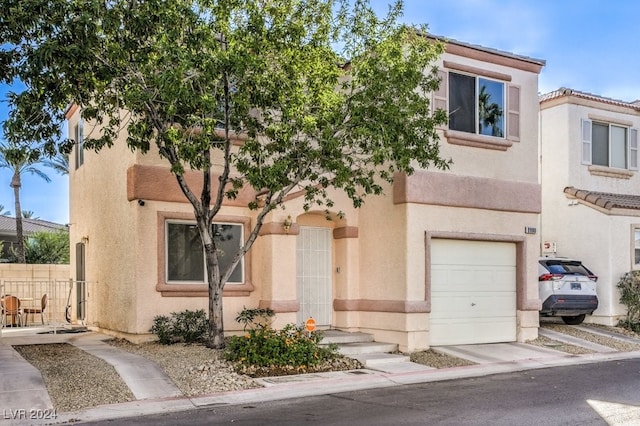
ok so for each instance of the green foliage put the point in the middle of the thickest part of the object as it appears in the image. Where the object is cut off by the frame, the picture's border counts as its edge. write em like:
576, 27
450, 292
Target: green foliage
47, 248
289, 347
186, 326
324, 94
255, 318
629, 287
163, 329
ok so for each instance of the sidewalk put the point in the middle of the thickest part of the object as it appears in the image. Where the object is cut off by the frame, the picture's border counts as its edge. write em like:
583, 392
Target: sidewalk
156, 393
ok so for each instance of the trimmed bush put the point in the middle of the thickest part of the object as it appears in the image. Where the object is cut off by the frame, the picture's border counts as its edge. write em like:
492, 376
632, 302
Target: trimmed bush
186, 326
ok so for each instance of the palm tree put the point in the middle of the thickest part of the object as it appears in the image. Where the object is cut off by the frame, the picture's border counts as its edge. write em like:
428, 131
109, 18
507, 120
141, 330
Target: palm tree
29, 214
59, 163
489, 113
20, 159
4, 212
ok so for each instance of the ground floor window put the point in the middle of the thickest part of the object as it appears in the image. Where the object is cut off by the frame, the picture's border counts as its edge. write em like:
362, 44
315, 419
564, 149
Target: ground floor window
636, 245
185, 260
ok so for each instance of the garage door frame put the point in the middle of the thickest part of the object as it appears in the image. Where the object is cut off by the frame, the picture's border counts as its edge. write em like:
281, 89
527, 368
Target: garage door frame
521, 271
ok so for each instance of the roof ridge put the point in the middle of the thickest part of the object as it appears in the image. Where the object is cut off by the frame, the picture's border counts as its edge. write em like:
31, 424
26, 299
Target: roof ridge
566, 91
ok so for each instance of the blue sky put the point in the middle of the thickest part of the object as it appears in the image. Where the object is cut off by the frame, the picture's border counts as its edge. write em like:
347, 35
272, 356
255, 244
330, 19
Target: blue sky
588, 45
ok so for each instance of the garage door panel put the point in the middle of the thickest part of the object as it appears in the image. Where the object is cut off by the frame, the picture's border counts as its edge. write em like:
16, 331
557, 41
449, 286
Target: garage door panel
460, 279
485, 332
475, 306
473, 292
463, 252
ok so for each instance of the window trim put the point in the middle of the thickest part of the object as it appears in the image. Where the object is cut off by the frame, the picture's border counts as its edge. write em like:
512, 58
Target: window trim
634, 228
79, 143
586, 135
192, 222
173, 289
511, 116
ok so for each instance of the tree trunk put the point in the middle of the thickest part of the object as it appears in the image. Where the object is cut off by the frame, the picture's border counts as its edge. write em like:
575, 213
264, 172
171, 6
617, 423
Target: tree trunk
16, 184
216, 324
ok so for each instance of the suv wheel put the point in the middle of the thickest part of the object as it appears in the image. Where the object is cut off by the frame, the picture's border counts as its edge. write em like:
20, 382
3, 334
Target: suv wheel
573, 320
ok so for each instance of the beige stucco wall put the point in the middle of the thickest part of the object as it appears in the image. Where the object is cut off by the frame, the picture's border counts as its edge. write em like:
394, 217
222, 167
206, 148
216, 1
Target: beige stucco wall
378, 265
517, 164
602, 240
21, 271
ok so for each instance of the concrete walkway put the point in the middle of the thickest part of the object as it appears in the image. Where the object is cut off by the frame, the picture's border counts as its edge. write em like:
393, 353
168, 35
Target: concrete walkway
22, 388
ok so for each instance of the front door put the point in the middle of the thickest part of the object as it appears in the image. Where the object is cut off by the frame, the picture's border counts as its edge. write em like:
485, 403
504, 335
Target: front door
313, 275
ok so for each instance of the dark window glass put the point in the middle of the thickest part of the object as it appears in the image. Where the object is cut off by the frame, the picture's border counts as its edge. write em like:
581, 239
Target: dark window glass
185, 257
462, 103
600, 144
490, 108
228, 240
185, 261
566, 267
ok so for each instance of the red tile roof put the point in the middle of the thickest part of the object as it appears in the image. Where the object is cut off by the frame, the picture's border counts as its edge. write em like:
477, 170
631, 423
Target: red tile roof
606, 200
565, 91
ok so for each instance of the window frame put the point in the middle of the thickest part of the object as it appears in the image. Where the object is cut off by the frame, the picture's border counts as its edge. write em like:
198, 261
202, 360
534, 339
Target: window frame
511, 114
587, 144
79, 143
476, 103
198, 289
635, 246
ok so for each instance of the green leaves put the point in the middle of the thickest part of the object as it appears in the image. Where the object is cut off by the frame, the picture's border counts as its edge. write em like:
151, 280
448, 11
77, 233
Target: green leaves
279, 95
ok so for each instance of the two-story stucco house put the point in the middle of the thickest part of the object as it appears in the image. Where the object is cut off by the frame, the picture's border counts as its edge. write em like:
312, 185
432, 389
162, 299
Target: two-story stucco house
443, 258
591, 188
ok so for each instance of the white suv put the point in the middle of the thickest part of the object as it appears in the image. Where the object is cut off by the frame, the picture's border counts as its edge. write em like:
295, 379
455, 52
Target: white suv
567, 289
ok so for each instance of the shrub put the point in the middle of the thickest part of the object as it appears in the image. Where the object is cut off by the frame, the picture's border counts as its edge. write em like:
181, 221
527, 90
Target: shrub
255, 318
629, 286
186, 326
289, 349
190, 326
162, 328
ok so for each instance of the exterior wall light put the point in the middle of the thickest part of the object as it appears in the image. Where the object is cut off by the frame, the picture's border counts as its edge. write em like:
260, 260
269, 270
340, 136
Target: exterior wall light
287, 224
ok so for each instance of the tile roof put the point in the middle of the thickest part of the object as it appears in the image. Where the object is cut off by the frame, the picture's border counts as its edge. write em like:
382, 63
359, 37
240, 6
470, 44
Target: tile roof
541, 62
29, 226
565, 91
606, 200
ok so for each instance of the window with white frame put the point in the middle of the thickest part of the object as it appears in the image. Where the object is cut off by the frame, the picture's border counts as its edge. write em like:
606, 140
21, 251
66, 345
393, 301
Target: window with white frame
79, 142
476, 105
609, 145
185, 257
636, 246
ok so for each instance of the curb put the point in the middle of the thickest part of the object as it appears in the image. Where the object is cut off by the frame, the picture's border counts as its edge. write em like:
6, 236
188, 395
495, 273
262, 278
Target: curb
316, 384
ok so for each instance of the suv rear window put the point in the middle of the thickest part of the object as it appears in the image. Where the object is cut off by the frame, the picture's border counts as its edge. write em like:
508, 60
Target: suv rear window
566, 267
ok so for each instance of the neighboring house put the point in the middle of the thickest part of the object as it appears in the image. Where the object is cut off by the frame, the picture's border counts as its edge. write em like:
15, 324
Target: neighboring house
591, 188
8, 234
445, 257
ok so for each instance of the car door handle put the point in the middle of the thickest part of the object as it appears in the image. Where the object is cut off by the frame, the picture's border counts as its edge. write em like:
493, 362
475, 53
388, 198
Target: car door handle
473, 304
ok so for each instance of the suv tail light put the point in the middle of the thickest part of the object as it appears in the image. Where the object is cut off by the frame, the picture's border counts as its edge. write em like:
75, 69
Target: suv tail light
593, 278
549, 277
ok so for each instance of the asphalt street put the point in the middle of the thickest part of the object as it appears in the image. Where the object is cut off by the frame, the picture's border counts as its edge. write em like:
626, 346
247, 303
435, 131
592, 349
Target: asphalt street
605, 393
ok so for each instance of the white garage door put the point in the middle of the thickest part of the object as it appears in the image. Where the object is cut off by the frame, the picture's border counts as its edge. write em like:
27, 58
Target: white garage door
473, 292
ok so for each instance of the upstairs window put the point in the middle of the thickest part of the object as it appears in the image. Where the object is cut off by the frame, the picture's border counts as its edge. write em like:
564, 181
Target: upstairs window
609, 145
476, 105
79, 142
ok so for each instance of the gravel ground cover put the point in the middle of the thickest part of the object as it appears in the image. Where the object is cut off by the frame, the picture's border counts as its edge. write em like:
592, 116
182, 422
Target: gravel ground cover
611, 342
435, 359
77, 380
74, 378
